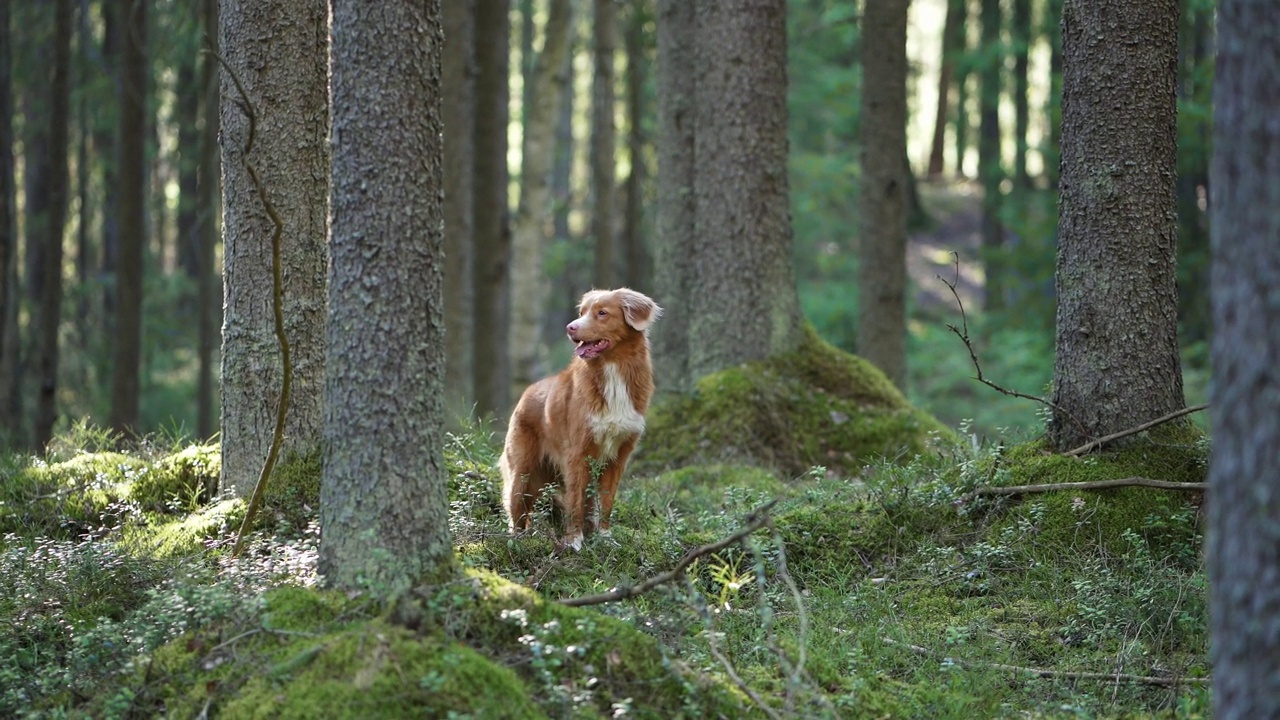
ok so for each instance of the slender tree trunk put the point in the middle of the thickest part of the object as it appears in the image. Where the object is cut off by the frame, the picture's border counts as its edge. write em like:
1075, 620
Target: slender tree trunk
384, 501
37, 183
561, 175
278, 49
603, 140
1020, 28
533, 214
55, 224
637, 274
952, 38
187, 115
1243, 553
209, 191
84, 245
9, 415
491, 222
107, 136
989, 165
673, 286
882, 255
742, 251
1117, 360
962, 73
459, 159
126, 354
1053, 148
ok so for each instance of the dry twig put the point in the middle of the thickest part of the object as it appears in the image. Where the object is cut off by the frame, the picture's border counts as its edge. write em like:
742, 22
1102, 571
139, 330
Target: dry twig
1089, 485
1134, 430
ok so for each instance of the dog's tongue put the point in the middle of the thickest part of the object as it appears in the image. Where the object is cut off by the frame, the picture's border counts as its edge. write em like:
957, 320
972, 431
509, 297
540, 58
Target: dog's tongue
582, 348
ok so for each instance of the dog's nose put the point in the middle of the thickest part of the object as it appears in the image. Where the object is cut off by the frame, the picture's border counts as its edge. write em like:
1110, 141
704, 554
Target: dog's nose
571, 329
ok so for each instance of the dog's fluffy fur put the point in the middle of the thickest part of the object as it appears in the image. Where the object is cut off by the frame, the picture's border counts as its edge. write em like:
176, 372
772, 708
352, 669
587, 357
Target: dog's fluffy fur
591, 414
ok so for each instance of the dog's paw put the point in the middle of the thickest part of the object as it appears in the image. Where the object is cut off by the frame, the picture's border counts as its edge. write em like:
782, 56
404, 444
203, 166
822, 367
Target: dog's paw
574, 542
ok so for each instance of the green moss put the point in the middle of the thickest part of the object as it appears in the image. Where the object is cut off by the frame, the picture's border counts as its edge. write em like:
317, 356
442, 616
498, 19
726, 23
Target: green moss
64, 499
814, 406
188, 533
184, 480
293, 493
699, 488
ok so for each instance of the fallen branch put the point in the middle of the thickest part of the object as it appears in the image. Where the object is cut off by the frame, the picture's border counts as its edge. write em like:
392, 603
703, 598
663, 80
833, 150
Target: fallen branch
1090, 485
1065, 674
1134, 430
757, 519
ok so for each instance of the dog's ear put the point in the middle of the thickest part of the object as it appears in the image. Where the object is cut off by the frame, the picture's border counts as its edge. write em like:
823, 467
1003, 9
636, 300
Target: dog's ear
638, 309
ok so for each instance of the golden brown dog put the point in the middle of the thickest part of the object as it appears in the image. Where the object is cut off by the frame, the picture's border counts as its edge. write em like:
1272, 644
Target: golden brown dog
585, 421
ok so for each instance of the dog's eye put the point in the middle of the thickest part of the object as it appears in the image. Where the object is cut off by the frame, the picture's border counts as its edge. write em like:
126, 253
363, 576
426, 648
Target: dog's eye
601, 313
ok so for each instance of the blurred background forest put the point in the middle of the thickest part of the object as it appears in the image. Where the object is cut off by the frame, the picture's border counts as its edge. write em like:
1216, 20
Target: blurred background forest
63, 131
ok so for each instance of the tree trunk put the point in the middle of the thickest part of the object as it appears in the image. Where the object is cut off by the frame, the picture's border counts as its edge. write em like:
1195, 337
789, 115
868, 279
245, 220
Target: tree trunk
1053, 148
603, 140
562, 174
533, 214
9, 415
37, 183
637, 274
1243, 554
187, 115
882, 253
952, 38
989, 167
673, 286
1195, 50
107, 136
84, 190
1117, 351
126, 356
742, 254
55, 224
277, 48
491, 210
209, 191
384, 504
1020, 30
458, 77
962, 73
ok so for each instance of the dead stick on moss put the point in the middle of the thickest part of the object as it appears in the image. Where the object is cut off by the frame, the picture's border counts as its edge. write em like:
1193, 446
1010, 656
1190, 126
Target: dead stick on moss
277, 302
973, 355
1065, 674
1135, 430
757, 519
1090, 485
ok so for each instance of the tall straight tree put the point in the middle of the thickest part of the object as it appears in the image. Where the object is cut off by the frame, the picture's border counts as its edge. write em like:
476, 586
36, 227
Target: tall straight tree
674, 285
384, 503
1117, 362
1244, 479
990, 169
742, 251
458, 78
882, 255
54, 226
635, 253
1020, 32
604, 139
8, 239
209, 191
126, 356
533, 213
278, 50
490, 210
952, 40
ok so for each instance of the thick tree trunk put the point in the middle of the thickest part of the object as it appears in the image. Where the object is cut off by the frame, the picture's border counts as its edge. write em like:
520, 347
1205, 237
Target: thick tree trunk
55, 223
533, 214
126, 357
384, 504
1244, 478
603, 140
989, 165
1117, 350
952, 38
636, 273
458, 78
742, 251
278, 50
491, 210
673, 286
8, 241
209, 191
882, 255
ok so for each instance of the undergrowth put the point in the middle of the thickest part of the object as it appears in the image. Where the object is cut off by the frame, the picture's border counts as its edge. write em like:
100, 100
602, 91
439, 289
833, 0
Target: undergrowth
894, 592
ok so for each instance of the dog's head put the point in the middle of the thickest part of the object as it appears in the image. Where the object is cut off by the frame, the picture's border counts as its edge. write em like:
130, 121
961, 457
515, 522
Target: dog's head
607, 318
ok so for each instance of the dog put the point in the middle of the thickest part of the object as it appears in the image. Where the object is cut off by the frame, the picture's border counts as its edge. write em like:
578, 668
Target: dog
583, 423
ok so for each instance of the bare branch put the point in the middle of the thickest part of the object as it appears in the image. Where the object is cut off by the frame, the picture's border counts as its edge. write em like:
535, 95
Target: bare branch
1090, 485
1087, 447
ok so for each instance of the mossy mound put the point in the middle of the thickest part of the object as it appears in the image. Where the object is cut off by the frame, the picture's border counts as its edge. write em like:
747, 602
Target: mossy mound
66, 499
185, 480
814, 406
480, 647
186, 534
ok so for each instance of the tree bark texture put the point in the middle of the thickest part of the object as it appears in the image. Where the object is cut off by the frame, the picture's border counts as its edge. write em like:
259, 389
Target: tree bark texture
533, 214
1117, 361
278, 49
208, 194
384, 503
1243, 553
126, 356
8, 240
604, 140
637, 273
990, 169
882, 253
54, 225
458, 77
491, 223
673, 286
744, 304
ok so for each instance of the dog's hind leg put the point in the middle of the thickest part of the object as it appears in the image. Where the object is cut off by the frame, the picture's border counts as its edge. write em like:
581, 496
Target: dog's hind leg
522, 483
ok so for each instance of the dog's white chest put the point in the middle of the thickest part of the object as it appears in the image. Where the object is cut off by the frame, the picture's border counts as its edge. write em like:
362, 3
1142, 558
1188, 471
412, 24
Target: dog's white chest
619, 421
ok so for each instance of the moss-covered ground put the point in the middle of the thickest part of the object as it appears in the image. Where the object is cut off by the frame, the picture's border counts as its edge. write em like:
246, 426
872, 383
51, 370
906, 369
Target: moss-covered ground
889, 589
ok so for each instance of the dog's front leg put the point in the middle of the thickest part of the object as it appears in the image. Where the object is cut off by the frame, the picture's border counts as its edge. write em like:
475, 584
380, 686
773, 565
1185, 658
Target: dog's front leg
577, 478
609, 486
